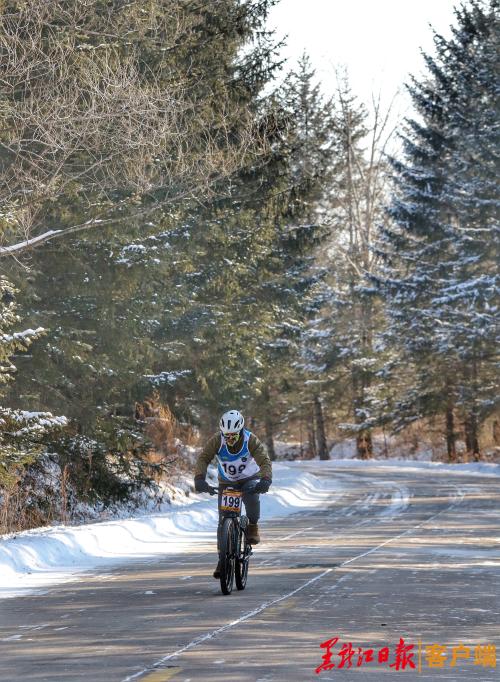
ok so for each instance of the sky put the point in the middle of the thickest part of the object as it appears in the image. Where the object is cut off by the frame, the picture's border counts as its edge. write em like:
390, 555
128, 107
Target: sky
377, 40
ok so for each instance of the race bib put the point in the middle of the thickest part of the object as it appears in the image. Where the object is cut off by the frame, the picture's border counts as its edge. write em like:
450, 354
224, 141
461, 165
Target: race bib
234, 470
231, 501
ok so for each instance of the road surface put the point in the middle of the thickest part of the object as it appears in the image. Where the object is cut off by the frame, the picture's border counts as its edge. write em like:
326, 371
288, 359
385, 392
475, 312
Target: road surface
400, 555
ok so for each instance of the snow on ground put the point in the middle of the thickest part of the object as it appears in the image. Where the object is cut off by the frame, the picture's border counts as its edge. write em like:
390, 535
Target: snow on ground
387, 447
472, 468
288, 450
45, 556
384, 447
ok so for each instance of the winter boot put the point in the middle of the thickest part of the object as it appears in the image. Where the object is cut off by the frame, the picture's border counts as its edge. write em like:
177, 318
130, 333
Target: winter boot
217, 571
253, 536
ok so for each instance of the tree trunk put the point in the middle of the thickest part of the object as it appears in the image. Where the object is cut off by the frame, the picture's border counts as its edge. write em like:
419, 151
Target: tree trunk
450, 434
270, 437
471, 421
268, 424
471, 436
496, 432
364, 444
311, 436
320, 430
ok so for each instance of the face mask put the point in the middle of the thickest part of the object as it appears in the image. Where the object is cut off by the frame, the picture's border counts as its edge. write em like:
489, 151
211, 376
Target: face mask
231, 438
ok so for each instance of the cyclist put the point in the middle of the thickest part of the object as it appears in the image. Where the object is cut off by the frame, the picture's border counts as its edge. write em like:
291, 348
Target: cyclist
243, 463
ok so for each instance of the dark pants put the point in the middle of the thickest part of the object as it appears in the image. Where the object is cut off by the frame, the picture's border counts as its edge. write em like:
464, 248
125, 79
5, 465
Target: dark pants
251, 500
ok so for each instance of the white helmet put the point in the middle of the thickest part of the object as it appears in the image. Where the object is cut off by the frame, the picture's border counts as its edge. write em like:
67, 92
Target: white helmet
231, 421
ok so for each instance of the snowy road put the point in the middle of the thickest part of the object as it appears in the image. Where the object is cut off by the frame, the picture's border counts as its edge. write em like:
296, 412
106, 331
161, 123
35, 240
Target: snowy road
400, 554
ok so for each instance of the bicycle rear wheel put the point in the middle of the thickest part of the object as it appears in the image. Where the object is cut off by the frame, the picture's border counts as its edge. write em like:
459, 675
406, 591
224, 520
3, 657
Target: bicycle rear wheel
227, 556
243, 551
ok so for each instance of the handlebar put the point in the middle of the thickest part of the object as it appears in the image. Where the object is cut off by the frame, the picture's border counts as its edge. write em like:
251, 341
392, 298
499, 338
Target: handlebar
213, 490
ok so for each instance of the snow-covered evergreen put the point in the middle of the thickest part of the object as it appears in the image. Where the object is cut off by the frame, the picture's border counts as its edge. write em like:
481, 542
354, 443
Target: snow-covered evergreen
20, 430
340, 357
441, 249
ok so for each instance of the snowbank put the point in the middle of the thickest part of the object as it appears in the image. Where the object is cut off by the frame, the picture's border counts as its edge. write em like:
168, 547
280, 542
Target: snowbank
397, 448
383, 448
472, 468
44, 556
287, 450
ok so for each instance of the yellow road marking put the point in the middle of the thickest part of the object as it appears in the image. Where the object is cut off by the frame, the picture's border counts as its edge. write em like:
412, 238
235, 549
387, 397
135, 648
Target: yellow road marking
161, 675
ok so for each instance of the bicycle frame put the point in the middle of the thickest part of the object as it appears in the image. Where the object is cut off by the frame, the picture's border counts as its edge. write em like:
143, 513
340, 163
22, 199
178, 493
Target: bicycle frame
234, 550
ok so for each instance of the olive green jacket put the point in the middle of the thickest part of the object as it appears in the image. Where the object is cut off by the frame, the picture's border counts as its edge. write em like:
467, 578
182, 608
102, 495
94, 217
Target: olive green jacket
256, 448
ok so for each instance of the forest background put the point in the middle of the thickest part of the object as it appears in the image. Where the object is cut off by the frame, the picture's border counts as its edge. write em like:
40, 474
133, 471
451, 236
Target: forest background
180, 235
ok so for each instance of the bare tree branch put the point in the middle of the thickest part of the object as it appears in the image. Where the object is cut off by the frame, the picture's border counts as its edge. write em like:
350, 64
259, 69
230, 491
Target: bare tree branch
89, 127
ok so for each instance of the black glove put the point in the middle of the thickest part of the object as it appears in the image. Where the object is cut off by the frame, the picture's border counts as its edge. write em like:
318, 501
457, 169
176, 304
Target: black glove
263, 485
200, 485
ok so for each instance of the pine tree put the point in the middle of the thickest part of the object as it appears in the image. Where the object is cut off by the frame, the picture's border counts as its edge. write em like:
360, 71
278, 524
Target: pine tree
311, 142
307, 151
441, 282
21, 432
128, 318
339, 345
121, 109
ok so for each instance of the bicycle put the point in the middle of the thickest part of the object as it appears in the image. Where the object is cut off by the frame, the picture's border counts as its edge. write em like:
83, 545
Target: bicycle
234, 548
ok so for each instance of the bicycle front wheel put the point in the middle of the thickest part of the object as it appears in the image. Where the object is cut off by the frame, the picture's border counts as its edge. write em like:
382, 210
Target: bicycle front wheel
227, 556
243, 550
